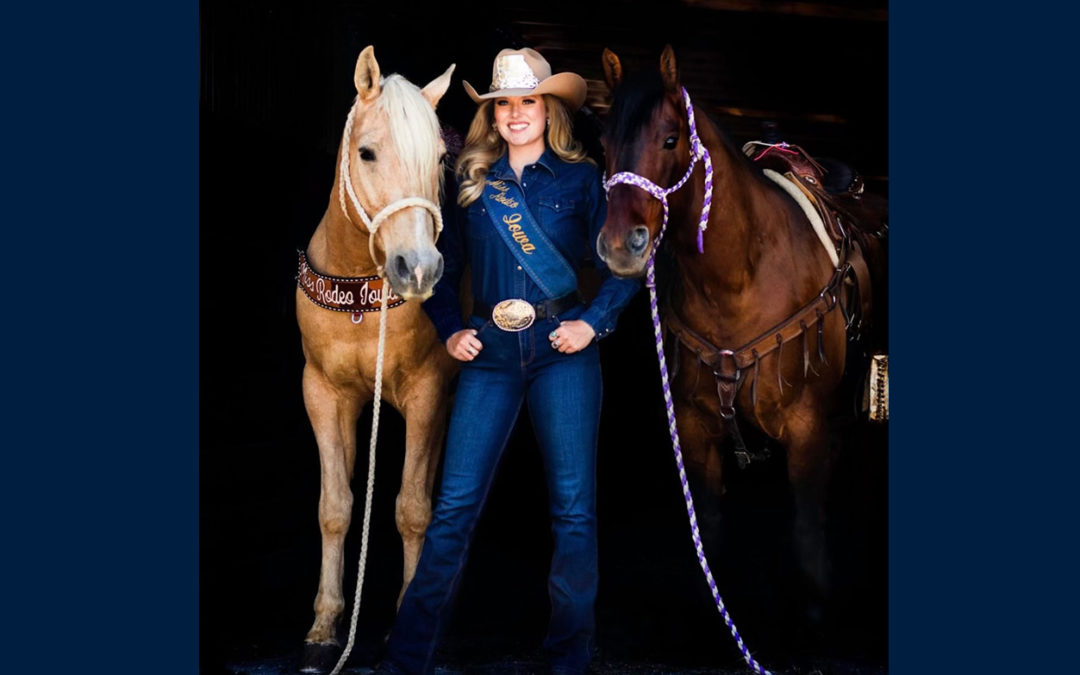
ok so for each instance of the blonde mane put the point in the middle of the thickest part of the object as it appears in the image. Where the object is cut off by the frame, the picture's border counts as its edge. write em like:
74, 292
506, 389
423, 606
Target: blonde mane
414, 128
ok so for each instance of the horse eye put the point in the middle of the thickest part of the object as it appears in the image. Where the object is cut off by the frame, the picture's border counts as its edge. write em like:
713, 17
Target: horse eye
669, 142
367, 154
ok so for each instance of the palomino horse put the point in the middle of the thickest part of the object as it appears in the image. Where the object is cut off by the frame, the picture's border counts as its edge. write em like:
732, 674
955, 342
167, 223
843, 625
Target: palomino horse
754, 290
382, 220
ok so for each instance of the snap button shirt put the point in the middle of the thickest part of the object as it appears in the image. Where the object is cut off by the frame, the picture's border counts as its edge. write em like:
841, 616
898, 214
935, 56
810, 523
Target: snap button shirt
568, 202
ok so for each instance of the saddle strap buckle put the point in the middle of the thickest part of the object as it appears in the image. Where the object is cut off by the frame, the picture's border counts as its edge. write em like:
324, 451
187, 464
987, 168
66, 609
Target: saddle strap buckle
727, 386
853, 314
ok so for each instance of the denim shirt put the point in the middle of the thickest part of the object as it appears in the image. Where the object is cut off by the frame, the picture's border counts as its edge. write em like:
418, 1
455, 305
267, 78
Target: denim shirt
568, 201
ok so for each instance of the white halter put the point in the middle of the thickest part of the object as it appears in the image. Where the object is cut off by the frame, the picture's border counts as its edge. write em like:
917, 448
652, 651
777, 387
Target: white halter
388, 210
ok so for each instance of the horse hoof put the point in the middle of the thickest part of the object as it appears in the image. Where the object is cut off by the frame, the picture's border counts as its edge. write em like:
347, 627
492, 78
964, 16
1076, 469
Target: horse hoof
319, 657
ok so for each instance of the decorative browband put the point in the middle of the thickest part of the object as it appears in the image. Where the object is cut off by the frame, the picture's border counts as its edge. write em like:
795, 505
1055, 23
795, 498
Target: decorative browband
341, 294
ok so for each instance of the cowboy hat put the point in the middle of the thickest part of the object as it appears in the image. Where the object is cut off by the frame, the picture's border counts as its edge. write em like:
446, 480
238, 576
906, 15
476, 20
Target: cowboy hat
524, 72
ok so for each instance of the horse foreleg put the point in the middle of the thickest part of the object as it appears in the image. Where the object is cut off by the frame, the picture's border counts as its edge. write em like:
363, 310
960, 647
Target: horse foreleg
809, 466
425, 426
333, 415
700, 436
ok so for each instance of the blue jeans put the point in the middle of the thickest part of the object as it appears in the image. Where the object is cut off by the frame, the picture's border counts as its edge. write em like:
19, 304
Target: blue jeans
563, 393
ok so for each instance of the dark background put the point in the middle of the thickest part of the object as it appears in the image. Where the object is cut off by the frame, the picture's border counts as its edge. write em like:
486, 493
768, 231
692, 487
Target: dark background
276, 83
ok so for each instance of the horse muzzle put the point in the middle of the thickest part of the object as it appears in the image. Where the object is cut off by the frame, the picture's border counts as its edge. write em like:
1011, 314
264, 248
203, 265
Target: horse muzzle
626, 255
413, 274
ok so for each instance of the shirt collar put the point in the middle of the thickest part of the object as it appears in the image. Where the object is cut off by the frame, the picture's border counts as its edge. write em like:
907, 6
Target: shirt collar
502, 171
550, 161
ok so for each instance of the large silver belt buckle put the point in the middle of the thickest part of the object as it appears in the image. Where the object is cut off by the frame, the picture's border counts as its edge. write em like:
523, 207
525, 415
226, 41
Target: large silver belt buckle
513, 315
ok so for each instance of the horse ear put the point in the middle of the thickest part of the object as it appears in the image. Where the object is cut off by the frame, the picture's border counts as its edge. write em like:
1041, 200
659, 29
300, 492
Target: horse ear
668, 71
612, 68
366, 77
437, 87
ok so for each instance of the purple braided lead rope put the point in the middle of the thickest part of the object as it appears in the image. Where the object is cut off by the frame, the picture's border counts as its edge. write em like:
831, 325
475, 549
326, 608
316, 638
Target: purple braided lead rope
650, 281
699, 151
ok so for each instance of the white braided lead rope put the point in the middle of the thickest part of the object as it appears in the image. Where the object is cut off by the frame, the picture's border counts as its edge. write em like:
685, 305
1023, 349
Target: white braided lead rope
372, 226
370, 487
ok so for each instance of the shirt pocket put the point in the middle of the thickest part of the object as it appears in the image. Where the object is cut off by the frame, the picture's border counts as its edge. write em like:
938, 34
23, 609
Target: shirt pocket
558, 216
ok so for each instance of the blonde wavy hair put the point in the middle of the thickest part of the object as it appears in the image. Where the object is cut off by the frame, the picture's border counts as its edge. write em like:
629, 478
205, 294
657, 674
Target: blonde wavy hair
484, 145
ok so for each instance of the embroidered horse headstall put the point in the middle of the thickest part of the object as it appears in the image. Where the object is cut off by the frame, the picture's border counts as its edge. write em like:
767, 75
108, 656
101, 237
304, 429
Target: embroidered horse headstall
344, 294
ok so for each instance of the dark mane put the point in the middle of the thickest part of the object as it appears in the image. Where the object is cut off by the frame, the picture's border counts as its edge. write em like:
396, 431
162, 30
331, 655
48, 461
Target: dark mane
634, 102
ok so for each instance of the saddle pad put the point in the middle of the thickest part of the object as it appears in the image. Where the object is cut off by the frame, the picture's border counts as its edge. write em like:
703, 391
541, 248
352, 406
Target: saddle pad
811, 213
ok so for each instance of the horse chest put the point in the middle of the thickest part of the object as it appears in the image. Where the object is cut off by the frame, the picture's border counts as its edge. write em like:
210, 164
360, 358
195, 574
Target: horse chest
347, 354
759, 397
358, 359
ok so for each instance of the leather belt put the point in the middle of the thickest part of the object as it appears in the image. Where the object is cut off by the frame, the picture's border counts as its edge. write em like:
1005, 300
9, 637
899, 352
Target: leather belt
540, 310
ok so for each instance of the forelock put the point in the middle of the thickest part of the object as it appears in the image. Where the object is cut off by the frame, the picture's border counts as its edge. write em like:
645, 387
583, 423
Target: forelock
414, 127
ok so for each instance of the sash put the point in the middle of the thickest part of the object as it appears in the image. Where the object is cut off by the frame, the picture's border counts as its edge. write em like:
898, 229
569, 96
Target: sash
522, 234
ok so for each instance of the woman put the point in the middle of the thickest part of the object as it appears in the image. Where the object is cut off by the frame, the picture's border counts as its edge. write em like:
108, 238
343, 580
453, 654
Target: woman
532, 208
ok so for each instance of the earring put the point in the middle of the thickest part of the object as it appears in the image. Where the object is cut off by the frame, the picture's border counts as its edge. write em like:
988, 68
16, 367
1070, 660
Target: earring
494, 126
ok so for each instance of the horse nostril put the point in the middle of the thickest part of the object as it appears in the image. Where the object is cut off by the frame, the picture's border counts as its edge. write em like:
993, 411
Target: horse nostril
601, 246
638, 239
401, 268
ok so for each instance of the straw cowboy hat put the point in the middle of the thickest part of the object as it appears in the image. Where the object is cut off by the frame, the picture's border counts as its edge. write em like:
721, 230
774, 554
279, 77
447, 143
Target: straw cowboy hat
523, 72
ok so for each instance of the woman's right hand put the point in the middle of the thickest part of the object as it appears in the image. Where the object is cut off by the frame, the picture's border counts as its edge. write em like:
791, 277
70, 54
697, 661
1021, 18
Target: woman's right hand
464, 345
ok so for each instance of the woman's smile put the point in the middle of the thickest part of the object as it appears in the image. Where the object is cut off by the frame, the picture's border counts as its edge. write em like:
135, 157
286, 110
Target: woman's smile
521, 121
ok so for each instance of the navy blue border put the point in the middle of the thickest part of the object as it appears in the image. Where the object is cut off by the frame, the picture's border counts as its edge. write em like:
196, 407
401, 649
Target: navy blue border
101, 479
100, 483
982, 460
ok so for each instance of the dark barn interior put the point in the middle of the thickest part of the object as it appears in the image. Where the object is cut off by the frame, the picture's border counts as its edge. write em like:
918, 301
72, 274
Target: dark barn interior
276, 83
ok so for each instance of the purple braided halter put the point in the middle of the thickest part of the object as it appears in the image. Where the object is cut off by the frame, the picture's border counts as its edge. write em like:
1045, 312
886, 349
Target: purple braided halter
699, 151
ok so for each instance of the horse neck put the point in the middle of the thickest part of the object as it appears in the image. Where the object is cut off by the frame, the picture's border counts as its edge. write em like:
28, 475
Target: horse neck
340, 246
742, 218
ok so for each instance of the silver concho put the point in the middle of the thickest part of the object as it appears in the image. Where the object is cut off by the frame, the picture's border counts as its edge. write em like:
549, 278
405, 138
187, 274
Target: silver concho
513, 315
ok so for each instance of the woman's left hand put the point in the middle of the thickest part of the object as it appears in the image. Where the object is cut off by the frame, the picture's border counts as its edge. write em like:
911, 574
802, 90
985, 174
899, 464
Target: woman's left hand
571, 336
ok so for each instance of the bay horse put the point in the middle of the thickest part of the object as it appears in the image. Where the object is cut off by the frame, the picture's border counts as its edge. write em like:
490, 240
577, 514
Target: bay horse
380, 226
759, 310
